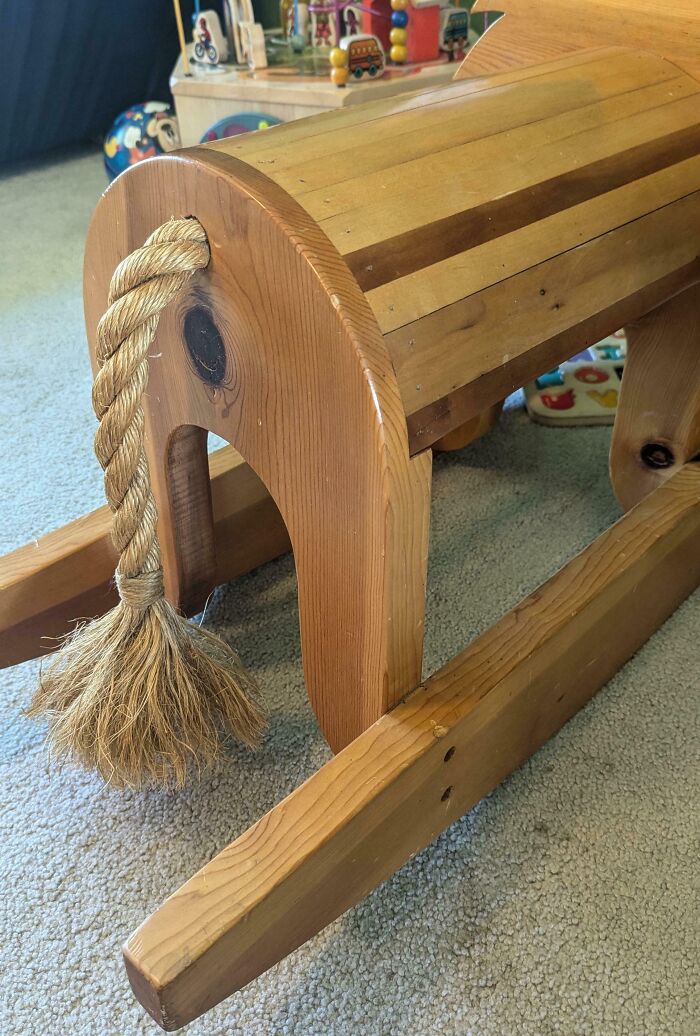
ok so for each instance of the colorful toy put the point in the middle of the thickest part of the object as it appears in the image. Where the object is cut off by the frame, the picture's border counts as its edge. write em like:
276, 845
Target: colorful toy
582, 391
364, 54
454, 31
242, 122
210, 45
142, 131
398, 33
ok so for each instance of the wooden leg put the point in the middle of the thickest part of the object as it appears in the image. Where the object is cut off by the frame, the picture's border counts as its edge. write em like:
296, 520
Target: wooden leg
657, 428
180, 482
420, 767
470, 431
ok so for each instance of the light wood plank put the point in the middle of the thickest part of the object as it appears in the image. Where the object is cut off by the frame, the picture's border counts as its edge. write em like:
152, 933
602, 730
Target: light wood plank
442, 155
420, 767
496, 165
391, 145
492, 342
285, 145
432, 288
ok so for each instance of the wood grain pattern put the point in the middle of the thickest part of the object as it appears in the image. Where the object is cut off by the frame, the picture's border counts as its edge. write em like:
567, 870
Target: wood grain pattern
449, 208
420, 767
305, 381
314, 138
448, 361
67, 575
361, 158
506, 163
415, 249
669, 29
659, 400
409, 298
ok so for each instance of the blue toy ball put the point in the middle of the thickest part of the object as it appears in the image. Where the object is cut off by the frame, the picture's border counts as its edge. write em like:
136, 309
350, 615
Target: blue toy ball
243, 122
140, 132
399, 19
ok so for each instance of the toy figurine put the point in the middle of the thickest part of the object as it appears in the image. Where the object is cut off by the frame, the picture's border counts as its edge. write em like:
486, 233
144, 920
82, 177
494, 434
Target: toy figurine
365, 54
454, 31
210, 46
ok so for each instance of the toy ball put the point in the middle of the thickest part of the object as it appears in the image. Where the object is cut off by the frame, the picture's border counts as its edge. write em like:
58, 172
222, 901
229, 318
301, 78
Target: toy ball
339, 76
398, 54
398, 36
338, 57
142, 131
399, 19
399, 5
242, 122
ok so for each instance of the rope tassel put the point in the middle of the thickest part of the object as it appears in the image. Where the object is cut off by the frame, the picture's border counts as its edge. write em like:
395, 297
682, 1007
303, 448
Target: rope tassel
141, 694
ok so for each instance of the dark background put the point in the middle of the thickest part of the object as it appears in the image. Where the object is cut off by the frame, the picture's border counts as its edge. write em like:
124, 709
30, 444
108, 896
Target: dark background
68, 67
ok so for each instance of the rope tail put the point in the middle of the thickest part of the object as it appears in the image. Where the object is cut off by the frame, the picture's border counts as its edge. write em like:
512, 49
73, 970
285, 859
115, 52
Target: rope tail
141, 694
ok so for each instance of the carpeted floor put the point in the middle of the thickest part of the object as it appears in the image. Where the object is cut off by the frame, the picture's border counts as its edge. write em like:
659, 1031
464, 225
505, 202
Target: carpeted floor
567, 902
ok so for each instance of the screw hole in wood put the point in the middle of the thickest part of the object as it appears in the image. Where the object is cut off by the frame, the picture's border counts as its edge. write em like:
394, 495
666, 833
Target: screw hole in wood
449, 753
657, 455
446, 794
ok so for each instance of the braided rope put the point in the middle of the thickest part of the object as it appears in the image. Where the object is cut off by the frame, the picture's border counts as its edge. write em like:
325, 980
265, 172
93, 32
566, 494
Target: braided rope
141, 287
140, 694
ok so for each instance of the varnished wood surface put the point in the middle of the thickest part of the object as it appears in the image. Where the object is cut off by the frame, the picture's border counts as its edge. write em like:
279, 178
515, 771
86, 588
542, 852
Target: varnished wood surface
532, 30
420, 767
483, 198
299, 381
657, 425
67, 575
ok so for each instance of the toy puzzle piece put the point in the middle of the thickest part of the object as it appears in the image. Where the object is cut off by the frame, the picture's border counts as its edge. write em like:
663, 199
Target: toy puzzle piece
558, 396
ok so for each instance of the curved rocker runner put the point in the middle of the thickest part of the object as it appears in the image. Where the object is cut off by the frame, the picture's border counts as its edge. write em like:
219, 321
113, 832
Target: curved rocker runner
335, 332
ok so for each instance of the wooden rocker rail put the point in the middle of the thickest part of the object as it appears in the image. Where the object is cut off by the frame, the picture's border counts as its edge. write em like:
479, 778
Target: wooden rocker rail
420, 767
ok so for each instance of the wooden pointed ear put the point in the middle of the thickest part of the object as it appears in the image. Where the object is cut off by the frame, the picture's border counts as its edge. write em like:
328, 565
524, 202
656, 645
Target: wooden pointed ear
528, 33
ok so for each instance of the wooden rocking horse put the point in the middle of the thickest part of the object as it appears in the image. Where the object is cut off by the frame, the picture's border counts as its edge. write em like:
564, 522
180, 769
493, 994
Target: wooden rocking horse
380, 278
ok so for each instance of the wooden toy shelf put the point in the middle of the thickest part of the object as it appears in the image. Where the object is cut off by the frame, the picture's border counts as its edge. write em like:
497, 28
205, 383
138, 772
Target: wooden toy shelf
205, 97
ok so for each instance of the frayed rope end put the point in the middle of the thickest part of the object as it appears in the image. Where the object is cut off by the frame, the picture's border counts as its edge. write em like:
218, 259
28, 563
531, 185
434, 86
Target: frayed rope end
143, 697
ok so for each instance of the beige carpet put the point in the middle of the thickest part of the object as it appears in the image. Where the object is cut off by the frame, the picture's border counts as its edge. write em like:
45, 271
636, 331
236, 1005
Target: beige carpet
567, 902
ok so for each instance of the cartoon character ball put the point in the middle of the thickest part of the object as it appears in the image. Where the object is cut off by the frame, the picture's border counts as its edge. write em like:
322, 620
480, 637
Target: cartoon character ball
140, 132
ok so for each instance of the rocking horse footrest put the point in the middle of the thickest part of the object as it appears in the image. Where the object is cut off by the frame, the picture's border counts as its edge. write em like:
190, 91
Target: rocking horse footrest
420, 767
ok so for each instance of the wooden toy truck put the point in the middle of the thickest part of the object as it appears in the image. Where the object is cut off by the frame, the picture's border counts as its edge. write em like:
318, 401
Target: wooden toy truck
380, 278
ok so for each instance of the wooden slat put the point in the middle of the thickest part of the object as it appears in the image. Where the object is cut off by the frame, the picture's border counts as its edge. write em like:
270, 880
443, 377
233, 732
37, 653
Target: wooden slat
504, 164
420, 767
356, 159
471, 354
281, 146
505, 213
409, 298
67, 575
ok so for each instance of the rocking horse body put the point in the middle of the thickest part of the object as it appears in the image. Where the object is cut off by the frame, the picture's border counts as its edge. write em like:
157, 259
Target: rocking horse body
362, 305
